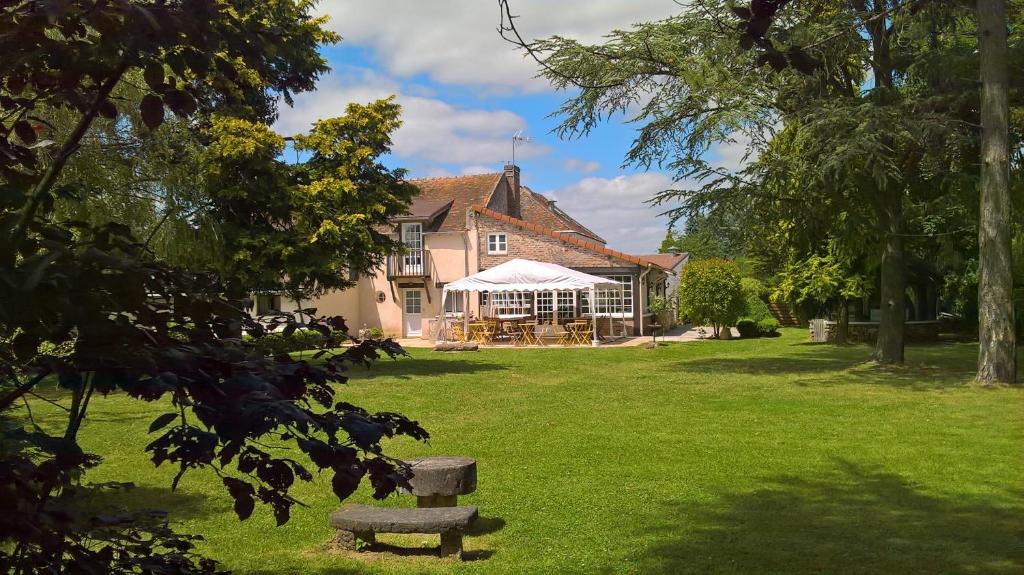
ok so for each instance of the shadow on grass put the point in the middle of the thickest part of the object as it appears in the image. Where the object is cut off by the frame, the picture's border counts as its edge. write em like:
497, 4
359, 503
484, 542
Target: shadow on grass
407, 368
178, 505
851, 521
928, 367
485, 526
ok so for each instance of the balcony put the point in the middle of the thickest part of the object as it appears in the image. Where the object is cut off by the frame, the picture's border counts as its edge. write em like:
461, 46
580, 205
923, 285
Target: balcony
412, 264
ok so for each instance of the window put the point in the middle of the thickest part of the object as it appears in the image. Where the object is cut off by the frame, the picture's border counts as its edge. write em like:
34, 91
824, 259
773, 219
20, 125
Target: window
497, 244
412, 301
561, 307
454, 306
267, 303
507, 303
611, 303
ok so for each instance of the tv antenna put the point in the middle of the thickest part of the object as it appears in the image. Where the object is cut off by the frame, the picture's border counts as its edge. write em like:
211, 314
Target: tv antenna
517, 139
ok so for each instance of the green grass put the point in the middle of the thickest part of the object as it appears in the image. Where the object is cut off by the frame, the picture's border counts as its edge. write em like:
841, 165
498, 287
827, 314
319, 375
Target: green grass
757, 456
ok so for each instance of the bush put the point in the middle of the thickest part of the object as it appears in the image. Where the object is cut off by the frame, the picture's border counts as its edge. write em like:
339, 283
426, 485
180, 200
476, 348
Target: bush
753, 299
300, 340
768, 327
710, 293
747, 328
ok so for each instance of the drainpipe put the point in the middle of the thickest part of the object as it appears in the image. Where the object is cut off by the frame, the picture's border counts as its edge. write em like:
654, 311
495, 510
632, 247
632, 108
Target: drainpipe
642, 294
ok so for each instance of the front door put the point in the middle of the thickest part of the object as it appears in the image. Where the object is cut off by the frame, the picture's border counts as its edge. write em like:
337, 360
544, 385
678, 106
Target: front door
413, 313
412, 260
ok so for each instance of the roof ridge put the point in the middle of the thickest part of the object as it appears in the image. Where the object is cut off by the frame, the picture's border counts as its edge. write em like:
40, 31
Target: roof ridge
565, 237
454, 177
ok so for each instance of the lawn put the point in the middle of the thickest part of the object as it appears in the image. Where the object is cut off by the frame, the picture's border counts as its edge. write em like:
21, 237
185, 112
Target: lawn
750, 456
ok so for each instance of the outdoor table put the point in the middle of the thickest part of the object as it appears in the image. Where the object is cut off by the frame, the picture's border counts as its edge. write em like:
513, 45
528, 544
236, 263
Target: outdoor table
544, 330
438, 481
480, 332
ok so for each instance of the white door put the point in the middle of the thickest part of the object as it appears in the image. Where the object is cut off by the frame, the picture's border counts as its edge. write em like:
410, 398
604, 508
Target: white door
413, 313
412, 237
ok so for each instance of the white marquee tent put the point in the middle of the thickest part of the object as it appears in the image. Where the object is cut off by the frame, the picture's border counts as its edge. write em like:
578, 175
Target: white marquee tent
529, 276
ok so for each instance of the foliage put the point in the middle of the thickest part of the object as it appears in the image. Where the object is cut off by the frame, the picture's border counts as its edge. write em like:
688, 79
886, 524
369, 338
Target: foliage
320, 222
819, 280
274, 343
658, 305
753, 296
747, 328
705, 236
710, 292
768, 327
142, 328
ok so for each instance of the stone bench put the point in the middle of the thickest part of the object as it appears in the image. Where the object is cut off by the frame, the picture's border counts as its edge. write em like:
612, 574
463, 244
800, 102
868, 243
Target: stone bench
363, 522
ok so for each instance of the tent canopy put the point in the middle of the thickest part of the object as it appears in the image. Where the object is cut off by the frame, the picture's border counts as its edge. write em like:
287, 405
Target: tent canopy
520, 275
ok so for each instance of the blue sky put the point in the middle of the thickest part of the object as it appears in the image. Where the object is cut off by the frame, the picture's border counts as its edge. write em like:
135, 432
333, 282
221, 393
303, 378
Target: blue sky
465, 92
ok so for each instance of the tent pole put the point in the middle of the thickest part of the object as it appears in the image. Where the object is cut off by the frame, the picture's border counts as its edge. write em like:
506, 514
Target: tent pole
593, 320
465, 315
442, 330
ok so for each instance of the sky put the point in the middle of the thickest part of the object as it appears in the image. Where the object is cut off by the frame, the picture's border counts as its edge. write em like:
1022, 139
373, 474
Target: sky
465, 92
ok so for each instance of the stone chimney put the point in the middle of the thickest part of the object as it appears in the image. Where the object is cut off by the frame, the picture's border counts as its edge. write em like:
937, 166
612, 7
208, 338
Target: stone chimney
512, 179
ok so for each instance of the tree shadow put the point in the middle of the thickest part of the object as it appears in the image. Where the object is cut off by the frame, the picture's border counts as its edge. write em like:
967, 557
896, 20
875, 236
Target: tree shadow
419, 367
853, 520
179, 505
928, 367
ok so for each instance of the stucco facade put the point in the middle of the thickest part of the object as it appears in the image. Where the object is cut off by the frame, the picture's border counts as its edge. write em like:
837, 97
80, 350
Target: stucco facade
452, 243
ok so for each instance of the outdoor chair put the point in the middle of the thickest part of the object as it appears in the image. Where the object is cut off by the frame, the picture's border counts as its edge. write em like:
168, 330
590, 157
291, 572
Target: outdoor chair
563, 334
527, 335
582, 332
509, 331
458, 332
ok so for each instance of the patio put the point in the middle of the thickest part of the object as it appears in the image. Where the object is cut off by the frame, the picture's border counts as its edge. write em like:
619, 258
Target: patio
526, 307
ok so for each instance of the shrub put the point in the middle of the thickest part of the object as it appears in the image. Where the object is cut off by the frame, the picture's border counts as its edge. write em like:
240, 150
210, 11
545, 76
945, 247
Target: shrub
710, 292
755, 307
276, 343
768, 327
747, 328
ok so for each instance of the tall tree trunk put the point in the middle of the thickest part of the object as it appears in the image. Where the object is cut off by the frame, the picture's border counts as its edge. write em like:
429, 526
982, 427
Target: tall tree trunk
996, 354
889, 345
843, 325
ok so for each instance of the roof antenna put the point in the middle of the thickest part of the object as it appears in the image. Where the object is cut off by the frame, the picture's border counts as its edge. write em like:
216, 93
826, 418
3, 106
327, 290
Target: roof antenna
517, 138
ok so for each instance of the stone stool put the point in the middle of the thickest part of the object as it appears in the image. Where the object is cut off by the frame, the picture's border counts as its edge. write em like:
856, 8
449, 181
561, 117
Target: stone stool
438, 481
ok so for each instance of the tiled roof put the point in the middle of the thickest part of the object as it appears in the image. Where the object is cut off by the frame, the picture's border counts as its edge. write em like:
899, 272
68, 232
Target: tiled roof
566, 237
667, 261
462, 191
539, 210
424, 209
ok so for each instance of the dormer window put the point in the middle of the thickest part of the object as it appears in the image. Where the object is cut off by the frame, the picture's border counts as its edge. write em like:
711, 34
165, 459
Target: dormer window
497, 244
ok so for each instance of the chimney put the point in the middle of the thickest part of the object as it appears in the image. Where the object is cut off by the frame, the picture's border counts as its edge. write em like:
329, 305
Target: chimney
512, 178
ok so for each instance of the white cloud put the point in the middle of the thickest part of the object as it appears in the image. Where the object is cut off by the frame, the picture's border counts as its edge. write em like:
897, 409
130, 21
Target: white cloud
578, 165
457, 42
615, 208
473, 170
432, 130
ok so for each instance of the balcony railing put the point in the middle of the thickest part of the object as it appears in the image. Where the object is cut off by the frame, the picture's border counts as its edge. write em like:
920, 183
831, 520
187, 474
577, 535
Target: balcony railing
411, 264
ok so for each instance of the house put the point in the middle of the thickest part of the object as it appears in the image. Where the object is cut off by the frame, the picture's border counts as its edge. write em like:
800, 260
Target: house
458, 226
673, 262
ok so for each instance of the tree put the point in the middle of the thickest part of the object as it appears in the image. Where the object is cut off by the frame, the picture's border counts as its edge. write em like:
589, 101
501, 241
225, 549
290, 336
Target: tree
86, 305
710, 292
721, 73
823, 280
705, 236
997, 354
